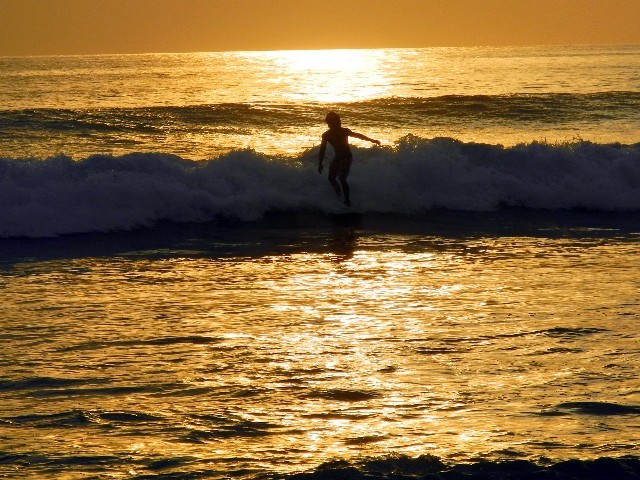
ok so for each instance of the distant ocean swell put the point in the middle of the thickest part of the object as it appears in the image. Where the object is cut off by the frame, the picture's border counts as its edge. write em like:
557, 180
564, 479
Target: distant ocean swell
41, 198
399, 112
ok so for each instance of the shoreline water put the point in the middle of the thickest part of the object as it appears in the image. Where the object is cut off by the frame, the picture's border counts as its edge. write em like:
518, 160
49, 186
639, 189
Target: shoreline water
201, 308
293, 232
424, 467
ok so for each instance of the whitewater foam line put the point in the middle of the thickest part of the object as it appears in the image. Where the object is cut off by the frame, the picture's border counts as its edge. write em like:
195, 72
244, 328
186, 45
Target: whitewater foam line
43, 198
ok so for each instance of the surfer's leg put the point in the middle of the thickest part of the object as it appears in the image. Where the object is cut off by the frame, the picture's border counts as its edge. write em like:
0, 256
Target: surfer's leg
344, 173
335, 185
333, 173
345, 188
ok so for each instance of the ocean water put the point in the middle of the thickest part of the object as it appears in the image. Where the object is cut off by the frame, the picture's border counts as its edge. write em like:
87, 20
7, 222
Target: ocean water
201, 105
183, 296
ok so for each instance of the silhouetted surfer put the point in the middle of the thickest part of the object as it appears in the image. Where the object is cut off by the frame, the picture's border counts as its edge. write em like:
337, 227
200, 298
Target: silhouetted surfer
338, 137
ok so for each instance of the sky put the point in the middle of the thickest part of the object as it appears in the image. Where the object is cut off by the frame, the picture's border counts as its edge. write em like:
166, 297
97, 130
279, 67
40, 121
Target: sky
60, 27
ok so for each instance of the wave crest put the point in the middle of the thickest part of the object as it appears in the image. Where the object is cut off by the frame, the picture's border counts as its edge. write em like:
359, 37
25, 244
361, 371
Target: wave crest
41, 198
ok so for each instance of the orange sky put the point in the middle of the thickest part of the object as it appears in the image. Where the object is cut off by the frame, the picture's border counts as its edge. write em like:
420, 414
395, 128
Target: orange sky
35, 27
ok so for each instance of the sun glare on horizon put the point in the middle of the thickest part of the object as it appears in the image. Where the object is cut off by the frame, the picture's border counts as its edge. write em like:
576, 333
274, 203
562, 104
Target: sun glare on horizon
326, 75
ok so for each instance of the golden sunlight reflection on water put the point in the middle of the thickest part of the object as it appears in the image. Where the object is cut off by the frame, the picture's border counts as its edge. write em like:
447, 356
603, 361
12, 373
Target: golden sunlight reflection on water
325, 75
202, 105
453, 349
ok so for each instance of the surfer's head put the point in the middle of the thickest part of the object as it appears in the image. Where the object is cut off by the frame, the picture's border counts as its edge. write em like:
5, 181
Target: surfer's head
333, 119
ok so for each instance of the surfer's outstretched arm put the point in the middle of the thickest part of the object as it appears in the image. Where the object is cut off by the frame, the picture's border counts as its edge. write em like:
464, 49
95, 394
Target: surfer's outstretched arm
323, 148
364, 137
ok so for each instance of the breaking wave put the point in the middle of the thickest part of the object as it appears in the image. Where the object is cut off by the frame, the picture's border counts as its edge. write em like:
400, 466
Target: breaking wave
60, 195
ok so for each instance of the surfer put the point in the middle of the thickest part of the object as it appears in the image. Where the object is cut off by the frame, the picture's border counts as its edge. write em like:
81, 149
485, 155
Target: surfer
340, 166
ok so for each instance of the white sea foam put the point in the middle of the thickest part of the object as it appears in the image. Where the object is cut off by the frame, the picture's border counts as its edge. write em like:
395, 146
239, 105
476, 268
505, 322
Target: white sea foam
40, 198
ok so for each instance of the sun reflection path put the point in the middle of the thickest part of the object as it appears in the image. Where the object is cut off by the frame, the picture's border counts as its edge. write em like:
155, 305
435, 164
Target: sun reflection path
327, 75
456, 347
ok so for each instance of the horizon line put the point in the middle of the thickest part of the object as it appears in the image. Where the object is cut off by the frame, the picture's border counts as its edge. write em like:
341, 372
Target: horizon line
265, 50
